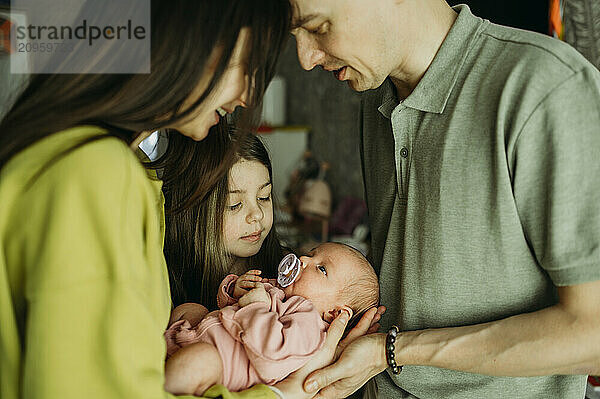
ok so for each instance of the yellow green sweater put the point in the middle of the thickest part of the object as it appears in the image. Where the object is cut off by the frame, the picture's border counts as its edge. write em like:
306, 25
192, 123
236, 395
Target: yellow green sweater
84, 293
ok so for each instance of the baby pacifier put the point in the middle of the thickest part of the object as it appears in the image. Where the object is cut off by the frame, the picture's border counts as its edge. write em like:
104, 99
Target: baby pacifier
288, 270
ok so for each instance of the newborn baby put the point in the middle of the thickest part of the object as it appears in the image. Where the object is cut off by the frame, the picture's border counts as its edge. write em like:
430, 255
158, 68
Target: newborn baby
266, 330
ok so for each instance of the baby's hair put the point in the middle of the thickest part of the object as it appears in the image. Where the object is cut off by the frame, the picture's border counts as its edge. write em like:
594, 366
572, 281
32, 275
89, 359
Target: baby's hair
366, 284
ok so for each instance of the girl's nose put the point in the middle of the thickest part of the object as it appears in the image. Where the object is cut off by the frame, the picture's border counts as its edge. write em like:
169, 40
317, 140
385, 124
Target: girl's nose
255, 215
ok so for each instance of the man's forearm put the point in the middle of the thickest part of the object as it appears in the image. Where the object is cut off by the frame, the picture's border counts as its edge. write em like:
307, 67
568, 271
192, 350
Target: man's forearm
549, 341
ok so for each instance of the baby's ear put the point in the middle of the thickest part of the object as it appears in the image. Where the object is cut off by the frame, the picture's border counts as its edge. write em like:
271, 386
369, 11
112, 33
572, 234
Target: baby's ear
329, 316
332, 314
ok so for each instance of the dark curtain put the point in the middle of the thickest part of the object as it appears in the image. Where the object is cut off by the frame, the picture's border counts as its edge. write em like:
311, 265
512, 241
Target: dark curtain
524, 14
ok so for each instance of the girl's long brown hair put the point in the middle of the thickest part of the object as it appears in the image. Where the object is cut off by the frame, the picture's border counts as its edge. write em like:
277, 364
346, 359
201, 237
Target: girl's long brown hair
183, 34
194, 246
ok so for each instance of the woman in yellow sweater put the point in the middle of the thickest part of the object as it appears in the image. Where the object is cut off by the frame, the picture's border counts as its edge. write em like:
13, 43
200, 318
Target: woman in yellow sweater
84, 293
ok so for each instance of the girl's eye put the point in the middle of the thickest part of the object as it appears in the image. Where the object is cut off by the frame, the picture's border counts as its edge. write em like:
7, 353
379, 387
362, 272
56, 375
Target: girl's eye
265, 199
322, 269
234, 207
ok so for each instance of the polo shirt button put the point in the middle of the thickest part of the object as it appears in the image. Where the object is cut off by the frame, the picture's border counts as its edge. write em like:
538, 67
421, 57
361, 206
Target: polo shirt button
403, 152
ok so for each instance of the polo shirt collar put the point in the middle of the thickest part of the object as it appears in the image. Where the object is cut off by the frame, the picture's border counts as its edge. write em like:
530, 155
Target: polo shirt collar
389, 98
433, 90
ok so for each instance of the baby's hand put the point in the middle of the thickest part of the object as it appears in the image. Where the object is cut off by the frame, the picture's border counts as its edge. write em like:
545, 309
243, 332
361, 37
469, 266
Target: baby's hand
258, 294
247, 281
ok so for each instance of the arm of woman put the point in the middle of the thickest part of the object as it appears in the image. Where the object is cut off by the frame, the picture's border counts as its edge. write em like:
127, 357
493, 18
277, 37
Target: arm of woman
94, 305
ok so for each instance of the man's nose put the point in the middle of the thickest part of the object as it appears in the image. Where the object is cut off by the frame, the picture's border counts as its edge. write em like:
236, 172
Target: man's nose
309, 53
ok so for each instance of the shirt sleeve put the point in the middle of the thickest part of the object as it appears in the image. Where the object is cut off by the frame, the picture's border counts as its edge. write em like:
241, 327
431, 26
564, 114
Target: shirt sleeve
556, 180
278, 339
95, 282
225, 293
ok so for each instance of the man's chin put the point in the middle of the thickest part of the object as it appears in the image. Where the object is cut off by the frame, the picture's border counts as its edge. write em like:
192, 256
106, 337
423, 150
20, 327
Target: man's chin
364, 86
358, 86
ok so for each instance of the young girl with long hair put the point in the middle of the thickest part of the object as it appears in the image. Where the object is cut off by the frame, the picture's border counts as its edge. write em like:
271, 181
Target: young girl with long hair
231, 231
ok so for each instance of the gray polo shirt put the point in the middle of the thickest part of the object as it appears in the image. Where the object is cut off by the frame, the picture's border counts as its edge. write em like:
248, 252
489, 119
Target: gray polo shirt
483, 189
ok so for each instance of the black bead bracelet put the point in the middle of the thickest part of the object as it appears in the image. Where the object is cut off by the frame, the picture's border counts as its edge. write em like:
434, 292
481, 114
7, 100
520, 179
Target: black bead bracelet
389, 349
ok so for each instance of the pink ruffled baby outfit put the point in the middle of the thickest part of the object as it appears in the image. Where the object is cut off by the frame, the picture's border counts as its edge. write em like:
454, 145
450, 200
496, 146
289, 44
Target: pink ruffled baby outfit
258, 343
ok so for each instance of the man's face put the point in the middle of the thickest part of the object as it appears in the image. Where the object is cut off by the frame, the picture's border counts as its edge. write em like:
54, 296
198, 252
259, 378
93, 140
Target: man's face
347, 37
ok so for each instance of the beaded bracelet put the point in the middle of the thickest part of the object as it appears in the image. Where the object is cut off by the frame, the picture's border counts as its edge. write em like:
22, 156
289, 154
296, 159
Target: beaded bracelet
389, 349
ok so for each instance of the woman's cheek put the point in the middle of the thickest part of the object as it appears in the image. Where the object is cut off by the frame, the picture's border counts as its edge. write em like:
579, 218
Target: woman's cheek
234, 89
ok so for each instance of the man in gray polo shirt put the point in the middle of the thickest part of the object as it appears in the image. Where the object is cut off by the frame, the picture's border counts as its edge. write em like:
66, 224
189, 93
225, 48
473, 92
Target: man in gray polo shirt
481, 160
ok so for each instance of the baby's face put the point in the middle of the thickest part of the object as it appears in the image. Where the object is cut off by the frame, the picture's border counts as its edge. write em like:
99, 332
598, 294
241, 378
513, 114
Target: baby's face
324, 272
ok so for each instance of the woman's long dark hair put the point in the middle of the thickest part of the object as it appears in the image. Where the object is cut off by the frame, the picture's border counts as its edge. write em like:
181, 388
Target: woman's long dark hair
194, 248
183, 35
